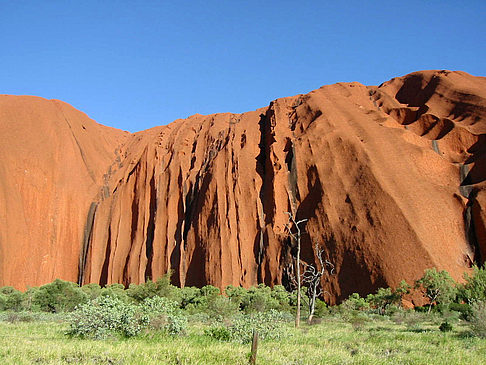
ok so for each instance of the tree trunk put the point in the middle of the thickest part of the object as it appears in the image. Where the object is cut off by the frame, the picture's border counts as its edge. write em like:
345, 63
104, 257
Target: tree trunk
312, 305
297, 314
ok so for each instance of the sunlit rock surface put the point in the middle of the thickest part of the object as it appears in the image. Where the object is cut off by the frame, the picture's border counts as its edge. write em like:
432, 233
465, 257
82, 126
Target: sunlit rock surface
391, 179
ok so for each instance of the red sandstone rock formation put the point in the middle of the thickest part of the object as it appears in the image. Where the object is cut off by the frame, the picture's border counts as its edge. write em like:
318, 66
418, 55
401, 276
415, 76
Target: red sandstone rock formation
391, 179
53, 161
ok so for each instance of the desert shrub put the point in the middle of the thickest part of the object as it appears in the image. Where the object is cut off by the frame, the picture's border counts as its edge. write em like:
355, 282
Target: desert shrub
383, 298
355, 303
58, 296
392, 309
116, 291
191, 299
269, 325
106, 316
220, 333
28, 302
402, 289
282, 296
321, 309
474, 289
161, 288
196, 300
161, 313
237, 295
3, 302
478, 319
463, 308
140, 292
210, 291
10, 299
92, 290
357, 320
445, 327
259, 299
222, 307
438, 286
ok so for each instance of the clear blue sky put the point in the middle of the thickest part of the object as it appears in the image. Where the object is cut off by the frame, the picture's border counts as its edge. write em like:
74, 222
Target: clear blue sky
137, 64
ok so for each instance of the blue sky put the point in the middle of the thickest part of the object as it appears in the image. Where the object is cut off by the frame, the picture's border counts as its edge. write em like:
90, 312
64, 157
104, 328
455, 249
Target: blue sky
137, 64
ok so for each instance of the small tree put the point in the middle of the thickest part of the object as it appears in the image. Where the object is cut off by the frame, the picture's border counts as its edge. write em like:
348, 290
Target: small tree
295, 232
438, 287
383, 298
402, 289
474, 289
312, 278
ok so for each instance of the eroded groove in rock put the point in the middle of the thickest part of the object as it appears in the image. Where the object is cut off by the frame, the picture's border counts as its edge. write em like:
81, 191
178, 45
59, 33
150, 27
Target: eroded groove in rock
391, 179
87, 234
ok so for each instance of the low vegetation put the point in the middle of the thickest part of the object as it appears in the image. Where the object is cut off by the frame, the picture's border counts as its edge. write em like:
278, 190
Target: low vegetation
157, 322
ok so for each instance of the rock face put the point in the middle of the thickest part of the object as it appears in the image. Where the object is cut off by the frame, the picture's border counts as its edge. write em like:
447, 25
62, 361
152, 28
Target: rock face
390, 178
53, 165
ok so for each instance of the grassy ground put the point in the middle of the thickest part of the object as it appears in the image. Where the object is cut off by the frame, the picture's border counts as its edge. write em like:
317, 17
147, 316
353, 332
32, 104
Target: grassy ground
333, 341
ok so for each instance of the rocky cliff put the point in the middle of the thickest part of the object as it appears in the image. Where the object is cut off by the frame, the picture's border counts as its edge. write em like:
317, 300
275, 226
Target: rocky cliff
390, 178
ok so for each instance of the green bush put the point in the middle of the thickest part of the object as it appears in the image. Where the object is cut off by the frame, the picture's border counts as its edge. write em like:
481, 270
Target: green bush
28, 303
321, 309
196, 300
11, 299
269, 325
237, 295
282, 296
191, 299
221, 307
463, 308
478, 319
220, 333
161, 288
383, 298
116, 291
260, 299
355, 303
210, 291
161, 313
106, 316
3, 302
357, 320
474, 289
445, 327
438, 286
58, 296
93, 291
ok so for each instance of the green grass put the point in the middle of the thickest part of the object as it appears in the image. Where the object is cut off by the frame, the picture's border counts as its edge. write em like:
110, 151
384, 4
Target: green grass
333, 341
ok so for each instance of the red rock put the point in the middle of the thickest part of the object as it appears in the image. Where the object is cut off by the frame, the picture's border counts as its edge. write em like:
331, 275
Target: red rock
391, 179
53, 161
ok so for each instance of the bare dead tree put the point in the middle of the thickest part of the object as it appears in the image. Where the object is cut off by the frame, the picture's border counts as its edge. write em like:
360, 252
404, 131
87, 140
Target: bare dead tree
295, 232
312, 278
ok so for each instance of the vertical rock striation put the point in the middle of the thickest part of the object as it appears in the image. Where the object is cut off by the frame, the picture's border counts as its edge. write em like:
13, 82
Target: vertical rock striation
52, 164
391, 179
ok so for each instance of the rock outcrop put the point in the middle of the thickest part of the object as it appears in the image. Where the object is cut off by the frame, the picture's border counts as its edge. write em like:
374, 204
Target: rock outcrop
53, 164
390, 178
